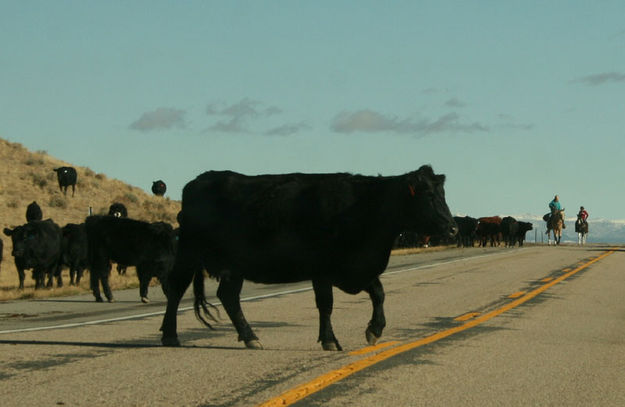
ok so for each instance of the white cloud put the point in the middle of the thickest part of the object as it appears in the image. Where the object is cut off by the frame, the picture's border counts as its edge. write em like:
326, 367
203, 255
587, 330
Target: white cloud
287, 129
238, 116
369, 121
601, 78
160, 119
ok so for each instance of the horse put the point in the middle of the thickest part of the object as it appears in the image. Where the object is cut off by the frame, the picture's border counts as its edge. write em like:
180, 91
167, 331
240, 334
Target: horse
581, 227
555, 222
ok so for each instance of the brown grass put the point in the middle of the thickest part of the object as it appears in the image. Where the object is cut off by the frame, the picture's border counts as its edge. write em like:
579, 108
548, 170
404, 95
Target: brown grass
28, 176
415, 250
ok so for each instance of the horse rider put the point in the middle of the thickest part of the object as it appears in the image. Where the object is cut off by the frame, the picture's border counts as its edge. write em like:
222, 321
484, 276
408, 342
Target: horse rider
554, 206
582, 214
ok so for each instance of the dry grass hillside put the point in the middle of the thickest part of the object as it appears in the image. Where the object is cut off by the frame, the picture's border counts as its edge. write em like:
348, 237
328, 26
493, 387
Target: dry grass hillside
28, 176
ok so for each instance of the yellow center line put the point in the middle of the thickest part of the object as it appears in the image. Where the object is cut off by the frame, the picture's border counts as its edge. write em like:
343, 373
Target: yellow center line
566, 270
373, 348
466, 317
300, 392
546, 280
517, 295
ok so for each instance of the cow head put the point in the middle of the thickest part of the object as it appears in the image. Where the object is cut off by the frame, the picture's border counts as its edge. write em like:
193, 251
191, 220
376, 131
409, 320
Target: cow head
24, 242
159, 188
427, 209
118, 210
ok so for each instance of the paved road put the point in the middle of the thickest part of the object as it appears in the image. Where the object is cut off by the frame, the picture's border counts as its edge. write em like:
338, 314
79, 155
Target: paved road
456, 336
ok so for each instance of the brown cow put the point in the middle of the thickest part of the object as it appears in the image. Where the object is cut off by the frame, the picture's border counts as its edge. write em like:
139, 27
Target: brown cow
488, 228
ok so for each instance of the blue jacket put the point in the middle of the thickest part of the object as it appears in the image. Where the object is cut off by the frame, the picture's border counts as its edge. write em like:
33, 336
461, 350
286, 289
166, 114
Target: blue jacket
555, 205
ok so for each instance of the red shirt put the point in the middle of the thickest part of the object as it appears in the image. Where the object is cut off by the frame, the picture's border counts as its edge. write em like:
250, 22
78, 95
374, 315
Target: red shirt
583, 214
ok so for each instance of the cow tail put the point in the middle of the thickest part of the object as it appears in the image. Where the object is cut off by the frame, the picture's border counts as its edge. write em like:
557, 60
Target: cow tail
201, 306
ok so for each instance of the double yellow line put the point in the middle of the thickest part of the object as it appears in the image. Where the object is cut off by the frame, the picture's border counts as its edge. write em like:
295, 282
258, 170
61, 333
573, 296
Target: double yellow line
473, 319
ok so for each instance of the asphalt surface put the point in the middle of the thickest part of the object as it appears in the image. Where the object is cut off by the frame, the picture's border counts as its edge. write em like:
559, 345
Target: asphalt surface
563, 347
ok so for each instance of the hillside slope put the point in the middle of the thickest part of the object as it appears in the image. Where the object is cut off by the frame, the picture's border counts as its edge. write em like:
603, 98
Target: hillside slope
28, 176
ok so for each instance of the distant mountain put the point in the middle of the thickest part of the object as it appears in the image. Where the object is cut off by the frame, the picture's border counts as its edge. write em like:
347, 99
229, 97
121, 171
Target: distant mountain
599, 230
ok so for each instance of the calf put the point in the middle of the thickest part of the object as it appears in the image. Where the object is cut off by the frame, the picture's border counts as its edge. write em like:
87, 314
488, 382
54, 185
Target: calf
118, 210
37, 246
74, 250
159, 188
147, 246
33, 212
66, 176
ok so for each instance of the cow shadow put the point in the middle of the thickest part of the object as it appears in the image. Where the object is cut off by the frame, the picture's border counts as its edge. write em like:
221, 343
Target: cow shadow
111, 345
91, 301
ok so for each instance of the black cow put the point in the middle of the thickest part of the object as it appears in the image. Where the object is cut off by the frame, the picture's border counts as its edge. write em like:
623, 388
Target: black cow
74, 250
67, 176
509, 228
524, 227
118, 210
159, 188
333, 229
147, 246
488, 229
37, 246
467, 227
33, 212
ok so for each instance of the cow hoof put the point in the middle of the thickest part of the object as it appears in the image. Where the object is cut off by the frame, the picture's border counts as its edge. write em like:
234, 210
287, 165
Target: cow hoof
170, 341
254, 344
111, 299
99, 299
372, 339
329, 346
145, 300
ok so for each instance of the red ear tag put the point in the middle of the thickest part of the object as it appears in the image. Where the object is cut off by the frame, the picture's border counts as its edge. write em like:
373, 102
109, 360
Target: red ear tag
412, 191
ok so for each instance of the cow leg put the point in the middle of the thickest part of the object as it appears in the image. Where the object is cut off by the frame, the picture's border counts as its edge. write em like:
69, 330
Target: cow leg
22, 276
378, 321
79, 271
73, 189
178, 281
59, 276
228, 293
50, 282
40, 278
325, 302
72, 275
95, 282
144, 282
104, 278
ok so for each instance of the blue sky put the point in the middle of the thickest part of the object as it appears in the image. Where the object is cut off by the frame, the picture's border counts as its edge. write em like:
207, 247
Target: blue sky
514, 101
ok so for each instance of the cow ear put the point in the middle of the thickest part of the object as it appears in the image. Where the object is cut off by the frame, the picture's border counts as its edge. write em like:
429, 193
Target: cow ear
8, 231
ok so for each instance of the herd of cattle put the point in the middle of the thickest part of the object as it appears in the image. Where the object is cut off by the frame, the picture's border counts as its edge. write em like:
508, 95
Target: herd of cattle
336, 230
491, 230
46, 248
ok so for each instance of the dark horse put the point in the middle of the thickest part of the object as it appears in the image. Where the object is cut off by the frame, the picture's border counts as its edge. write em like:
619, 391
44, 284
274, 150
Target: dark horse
581, 227
555, 223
